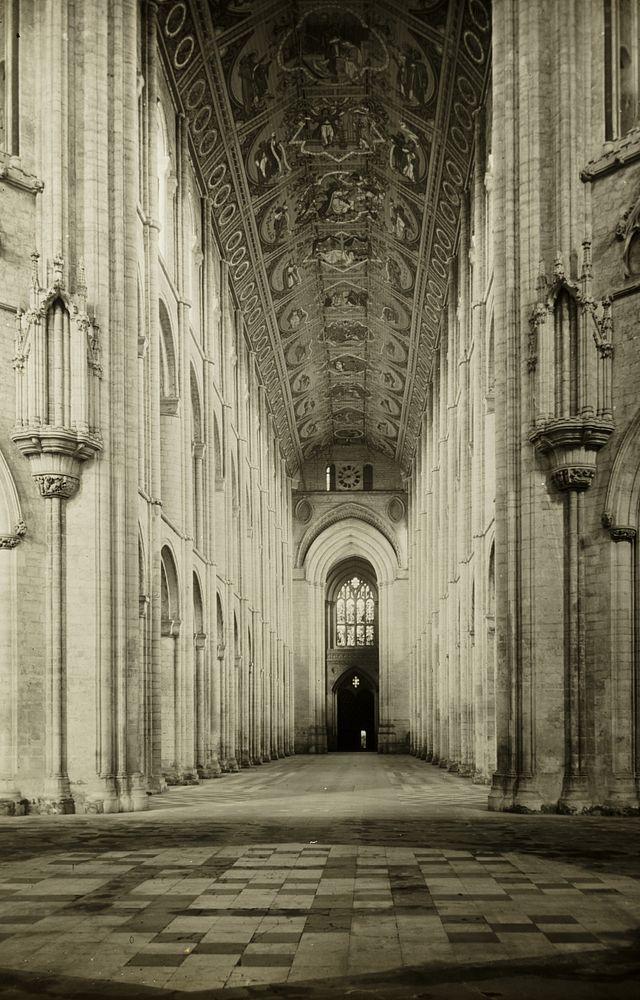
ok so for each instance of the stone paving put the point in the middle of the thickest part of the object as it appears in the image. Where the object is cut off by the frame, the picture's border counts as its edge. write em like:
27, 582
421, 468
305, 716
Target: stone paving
320, 876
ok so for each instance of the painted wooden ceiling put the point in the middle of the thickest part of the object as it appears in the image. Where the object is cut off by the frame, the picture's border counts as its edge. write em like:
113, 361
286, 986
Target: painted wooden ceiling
334, 140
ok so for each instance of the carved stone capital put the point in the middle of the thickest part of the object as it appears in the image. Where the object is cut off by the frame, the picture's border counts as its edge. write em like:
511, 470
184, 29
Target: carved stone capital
199, 640
578, 478
170, 628
56, 485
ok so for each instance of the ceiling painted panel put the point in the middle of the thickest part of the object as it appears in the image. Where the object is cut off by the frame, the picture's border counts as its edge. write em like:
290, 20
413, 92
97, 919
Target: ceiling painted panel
335, 141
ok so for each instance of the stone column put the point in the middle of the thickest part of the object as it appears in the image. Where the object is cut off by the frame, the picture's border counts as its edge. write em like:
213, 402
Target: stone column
10, 798
56, 489
622, 780
201, 714
216, 712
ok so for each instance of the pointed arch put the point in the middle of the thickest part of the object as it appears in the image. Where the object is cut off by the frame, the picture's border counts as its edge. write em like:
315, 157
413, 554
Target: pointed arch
11, 523
622, 500
170, 587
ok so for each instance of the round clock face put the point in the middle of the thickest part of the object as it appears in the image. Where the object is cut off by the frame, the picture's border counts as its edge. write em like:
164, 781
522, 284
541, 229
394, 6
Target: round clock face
349, 477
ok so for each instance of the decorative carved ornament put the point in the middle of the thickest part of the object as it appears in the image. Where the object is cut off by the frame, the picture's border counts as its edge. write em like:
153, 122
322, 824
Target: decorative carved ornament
571, 396
618, 533
10, 541
56, 486
627, 232
58, 371
573, 478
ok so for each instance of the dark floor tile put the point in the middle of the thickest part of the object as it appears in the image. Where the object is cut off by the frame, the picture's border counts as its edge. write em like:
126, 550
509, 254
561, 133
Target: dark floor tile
188, 937
20, 918
158, 960
551, 918
219, 948
515, 928
570, 936
275, 937
471, 937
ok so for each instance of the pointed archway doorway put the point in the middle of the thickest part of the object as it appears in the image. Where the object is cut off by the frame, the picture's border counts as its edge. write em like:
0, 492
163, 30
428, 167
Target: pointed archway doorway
356, 711
352, 657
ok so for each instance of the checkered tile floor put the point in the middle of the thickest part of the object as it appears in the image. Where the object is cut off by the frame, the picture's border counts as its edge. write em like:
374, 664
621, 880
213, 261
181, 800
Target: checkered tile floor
211, 914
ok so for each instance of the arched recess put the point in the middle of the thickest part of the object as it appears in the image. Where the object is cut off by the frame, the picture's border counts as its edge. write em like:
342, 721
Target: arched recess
11, 531
350, 539
197, 461
168, 363
622, 519
352, 655
165, 196
344, 512
218, 454
170, 428
169, 664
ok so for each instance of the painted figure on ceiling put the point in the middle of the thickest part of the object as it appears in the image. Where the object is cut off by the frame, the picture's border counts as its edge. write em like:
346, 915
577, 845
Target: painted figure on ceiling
393, 273
403, 156
281, 222
254, 79
291, 274
414, 79
333, 46
271, 159
400, 222
297, 318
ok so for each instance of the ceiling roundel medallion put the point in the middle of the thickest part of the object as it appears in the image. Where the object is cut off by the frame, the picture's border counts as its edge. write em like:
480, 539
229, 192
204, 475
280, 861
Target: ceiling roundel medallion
349, 476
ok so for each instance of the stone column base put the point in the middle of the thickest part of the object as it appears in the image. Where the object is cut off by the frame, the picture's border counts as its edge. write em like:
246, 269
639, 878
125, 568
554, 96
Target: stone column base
13, 807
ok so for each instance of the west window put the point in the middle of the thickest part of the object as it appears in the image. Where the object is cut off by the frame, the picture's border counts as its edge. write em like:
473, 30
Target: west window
355, 614
621, 67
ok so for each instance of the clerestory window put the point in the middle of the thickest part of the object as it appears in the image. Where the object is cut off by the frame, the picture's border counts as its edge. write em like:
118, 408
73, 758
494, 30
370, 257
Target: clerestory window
9, 37
622, 67
355, 614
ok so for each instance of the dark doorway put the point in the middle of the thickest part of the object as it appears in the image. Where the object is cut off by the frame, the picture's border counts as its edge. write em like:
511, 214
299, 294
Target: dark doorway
356, 718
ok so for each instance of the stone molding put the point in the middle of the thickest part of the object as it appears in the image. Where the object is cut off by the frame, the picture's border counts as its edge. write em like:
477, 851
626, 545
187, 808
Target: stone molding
340, 513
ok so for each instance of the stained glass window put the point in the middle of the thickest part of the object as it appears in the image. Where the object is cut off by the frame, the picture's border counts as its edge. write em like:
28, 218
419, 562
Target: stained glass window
355, 614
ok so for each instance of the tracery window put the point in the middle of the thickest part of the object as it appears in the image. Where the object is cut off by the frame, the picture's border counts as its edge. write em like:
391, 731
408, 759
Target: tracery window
622, 67
355, 614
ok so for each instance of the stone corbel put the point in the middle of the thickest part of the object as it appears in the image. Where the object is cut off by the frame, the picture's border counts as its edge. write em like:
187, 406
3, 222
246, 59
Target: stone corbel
618, 532
169, 406
14, 539
170, 628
